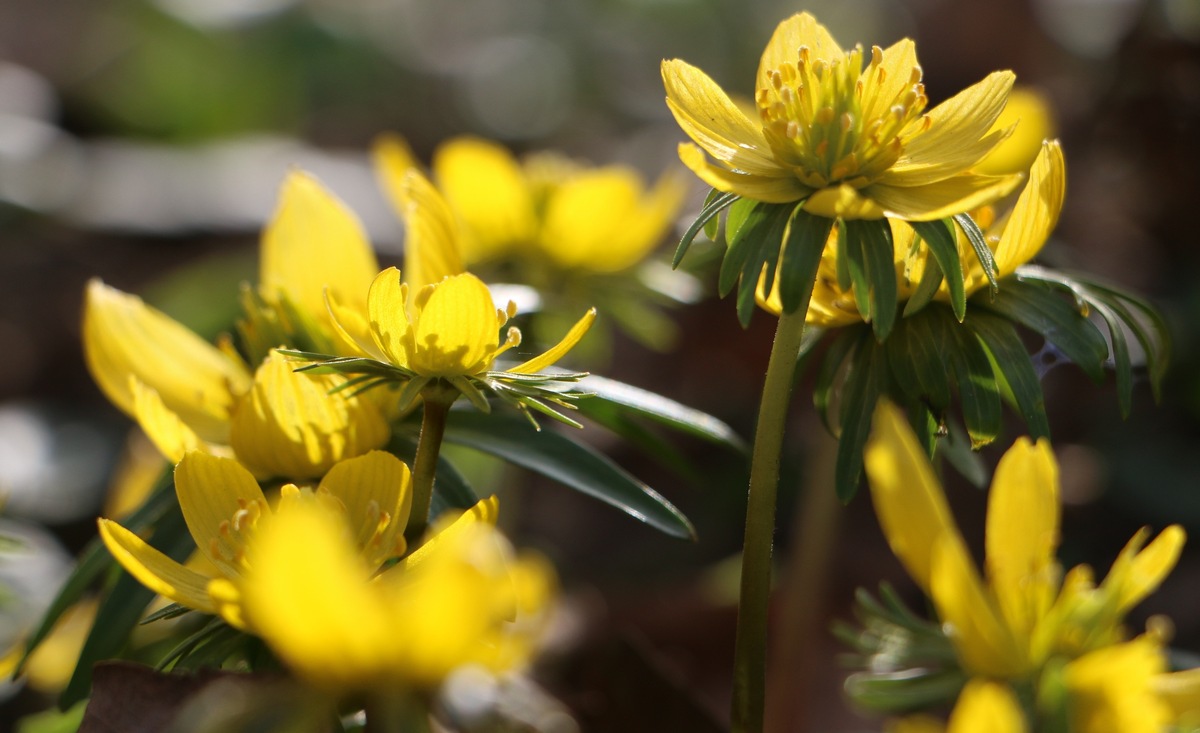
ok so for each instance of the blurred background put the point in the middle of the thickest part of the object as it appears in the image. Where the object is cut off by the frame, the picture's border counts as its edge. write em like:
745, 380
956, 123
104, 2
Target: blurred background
143, 142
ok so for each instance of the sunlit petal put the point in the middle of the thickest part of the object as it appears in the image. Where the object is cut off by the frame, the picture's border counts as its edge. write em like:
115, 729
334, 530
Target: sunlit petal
936, 140
155, 570
556, 352
800, 30
484, 185
458, 330
987, 707
376, 490
943, 198
776, 188
843, 202
485, 511
212, 491
431, 240
1036, 212
170, 435
387, 305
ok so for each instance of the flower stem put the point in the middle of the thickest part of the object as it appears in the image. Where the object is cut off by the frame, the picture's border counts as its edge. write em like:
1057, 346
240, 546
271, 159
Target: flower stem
436, 401
750, 651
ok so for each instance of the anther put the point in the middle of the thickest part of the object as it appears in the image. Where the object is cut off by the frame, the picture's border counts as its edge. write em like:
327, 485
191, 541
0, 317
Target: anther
825, 115
793, 130
776, 79
876, 55
223, 528
847, 120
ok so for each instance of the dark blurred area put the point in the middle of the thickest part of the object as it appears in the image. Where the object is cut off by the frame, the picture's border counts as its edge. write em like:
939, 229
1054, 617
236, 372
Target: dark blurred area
143, 141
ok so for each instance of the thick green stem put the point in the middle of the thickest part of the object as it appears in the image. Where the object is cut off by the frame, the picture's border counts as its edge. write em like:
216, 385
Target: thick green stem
750, 651
436, 399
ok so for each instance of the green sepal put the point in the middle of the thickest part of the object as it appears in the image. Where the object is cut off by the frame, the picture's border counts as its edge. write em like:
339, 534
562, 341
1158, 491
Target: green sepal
712, 207
1013, 368
124, 604
943, 245
977, 390
753, 254
931, 280
871, 260
987, 259
917, 363
806, 238
865, 381
573, 464
1039, 308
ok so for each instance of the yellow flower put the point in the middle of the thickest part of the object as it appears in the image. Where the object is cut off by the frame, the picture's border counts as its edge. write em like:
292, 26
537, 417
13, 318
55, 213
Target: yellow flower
1112, 689
851, 142
440, 324
343, 627
982, 707
190, 395
1014, 238
224, 509
1025, 612
548, 208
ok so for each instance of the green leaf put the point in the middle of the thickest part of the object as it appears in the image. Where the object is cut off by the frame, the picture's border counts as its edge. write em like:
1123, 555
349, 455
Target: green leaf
1039, 308
878, 257
865, 381
123, 605
979, 243
95, 561
806, 238
977, 390
931, 280
753, 254
916, 356
609, 393
943, 245
713, 224
708, 213
856, 267
576, 465
1012, 363
924, 424
831, 363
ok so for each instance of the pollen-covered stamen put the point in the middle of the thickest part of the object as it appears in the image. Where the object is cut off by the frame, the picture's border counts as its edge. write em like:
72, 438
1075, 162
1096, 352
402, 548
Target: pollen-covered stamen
512, 338
835, 121
230, 544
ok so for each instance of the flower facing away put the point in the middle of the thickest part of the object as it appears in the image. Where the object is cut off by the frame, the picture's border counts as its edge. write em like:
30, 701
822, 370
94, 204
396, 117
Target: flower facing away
190, 395
225, 510
1015, 236
544, 209
337, 624
846, 134
1028, 623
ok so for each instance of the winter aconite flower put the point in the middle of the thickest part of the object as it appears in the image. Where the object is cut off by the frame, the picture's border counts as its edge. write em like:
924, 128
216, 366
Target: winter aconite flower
1023, 622
1015, 236
846, 132
326, 613
190, 395
224, 509
983, 707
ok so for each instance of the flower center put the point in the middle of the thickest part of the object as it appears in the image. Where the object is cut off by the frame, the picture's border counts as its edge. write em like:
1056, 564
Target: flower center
834, 121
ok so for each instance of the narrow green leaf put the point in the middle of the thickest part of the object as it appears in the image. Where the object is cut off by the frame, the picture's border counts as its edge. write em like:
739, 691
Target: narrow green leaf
866, 380
931, 280
878, 255
856, 268
943, 246
1013, 364
766, 225
806, 238
831, 366
710, 210
740, 247
713, 225
677, 416
1039, 308
916, 356
977, 390
123, 606
576, 465
979, 243
924, 424
843, 262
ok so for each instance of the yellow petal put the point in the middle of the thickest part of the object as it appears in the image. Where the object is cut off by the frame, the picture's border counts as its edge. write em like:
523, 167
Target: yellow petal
1030, 111
155, 570
314, 242
290, 425
170, 435
211, 491
387, 306
984, 643
457, 332
842, 202
1111, 690
938, 141
123, 337
942, 198
556, 352
908, 498
393, 158
783, 49
353, 330
883, 89
1137, 572
307, 593
710, 117
1180, 691
778, 188
431, 246
987, 707
485, 511
485, 187
376, 490
1022, 533
1036, 212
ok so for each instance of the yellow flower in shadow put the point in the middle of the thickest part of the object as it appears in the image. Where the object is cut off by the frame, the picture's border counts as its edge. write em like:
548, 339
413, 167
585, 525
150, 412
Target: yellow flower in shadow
224, 509
844, 131
1008, 626
343, 626
1015, 237
546, 208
